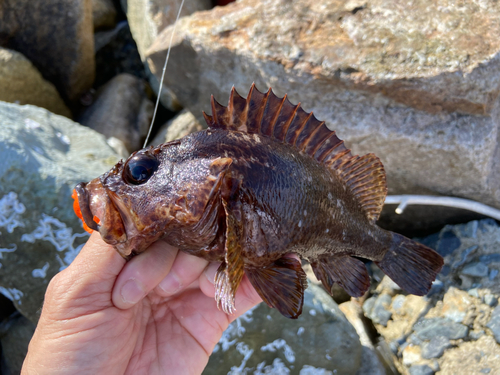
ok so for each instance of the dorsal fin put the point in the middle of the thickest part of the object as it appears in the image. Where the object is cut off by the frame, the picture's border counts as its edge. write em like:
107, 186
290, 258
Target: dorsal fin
277, 118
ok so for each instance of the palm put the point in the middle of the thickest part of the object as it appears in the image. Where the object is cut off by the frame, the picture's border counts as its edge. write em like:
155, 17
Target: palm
81, 323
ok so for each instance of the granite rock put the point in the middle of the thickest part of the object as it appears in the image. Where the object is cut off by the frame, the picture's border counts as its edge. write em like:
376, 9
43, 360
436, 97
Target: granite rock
420, 94
263, 341
121, 110
56, 36
43, 157
15, 336
22, 83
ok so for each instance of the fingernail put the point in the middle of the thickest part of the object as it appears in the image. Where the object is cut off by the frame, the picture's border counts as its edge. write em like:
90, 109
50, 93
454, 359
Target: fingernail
170, 284
132, 292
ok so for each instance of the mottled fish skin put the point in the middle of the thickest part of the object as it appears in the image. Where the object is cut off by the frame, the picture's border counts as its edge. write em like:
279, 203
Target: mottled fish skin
264, 180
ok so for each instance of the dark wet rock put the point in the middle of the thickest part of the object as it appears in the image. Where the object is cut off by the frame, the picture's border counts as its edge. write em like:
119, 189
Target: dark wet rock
181, 125
103, 14
494, 324
15, 335
43, 157
56, 36
435, 347
429, 329
419, 94
22, 83
116, 53
263, 340
121, 110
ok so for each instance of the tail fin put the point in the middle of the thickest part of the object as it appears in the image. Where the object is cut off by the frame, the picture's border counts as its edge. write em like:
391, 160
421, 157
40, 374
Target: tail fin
411, 265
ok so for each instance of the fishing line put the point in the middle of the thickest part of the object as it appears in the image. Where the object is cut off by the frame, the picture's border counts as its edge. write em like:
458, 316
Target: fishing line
163, 74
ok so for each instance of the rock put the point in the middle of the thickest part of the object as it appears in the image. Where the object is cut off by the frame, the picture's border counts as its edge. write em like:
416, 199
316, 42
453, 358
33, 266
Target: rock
43, 157
473, 357
116, 52
148, 18
429, 334
420, 94
103, 14
22, 83
476, 270
375, 308
57, 37
15, 336
494, 323
435, 347
122, 110
421, 370
181, 125
262, 340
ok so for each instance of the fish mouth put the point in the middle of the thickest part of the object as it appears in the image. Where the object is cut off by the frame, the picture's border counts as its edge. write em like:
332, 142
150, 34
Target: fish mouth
96, 209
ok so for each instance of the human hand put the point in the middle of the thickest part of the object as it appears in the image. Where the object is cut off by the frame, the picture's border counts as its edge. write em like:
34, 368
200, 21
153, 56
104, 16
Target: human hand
167, 323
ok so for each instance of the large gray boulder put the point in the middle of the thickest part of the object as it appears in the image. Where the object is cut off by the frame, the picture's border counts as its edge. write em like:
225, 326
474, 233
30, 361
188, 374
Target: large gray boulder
262, 341
421, 94
56, 36
43, 157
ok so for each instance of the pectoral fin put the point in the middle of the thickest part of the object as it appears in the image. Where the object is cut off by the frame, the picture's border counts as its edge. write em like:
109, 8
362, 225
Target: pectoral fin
350, 273
231, 271
281, 285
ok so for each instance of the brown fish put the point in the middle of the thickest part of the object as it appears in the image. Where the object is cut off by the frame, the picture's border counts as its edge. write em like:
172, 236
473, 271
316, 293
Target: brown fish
264, 180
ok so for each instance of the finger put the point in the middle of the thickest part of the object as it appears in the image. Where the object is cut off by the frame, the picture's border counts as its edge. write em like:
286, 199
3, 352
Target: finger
246, 295
142, 274
185, 270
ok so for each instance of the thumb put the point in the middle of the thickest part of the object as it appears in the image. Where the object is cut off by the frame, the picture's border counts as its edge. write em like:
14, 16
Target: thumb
87, 283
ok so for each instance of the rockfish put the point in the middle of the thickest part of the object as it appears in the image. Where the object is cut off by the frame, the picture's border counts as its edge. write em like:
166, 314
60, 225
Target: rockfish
264, 180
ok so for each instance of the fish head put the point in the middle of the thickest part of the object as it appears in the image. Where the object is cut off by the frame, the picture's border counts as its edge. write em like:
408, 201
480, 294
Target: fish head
154, 192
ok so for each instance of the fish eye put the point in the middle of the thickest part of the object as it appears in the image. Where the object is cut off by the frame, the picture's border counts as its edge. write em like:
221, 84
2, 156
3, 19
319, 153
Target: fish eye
140, 168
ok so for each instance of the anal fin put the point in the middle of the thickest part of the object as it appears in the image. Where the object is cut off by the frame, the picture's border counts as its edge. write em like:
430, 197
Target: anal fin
281, 285
350, 273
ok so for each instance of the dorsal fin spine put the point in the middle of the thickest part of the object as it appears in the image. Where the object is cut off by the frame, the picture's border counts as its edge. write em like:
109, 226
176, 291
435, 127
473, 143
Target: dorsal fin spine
302, 127
315, 149
214, 111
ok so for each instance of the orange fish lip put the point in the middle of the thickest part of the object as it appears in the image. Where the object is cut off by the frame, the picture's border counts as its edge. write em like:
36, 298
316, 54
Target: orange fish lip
82, 205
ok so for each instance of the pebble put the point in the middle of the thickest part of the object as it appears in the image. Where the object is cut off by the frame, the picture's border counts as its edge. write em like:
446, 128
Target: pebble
421, 370
489, 258
477, 269
434, 327
375, 309
435, 348
448, 243
490, 300
494, 323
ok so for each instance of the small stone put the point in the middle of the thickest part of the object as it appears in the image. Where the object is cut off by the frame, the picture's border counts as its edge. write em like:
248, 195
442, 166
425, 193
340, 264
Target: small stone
490, 300
435, 348
421, 370
486, 370
411, 354
473, 292
468, 230
398, 302
434, 327
494, 323
448, 242
493, 274
475, 335
476, 270
375, 308
490, 258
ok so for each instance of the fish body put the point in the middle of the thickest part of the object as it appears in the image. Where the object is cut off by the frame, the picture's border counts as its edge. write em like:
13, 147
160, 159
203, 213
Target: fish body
264, 180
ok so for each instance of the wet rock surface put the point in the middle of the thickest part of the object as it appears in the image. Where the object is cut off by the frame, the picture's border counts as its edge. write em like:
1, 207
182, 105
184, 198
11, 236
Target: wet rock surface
457, 318
103, 14
57, 37
43, 157
428, 85
262, 341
